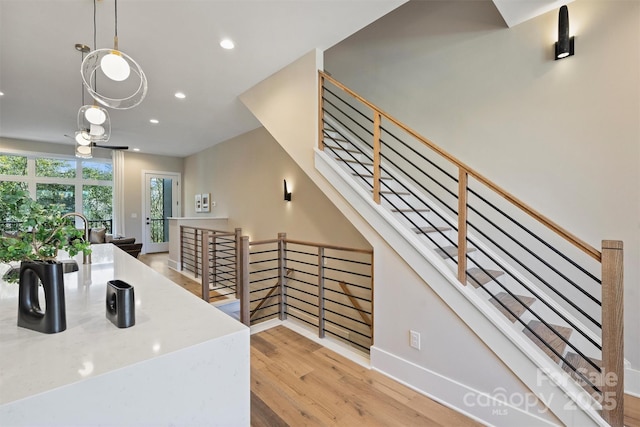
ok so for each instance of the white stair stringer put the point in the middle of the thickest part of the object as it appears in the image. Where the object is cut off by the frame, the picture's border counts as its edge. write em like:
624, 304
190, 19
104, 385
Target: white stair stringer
558, 391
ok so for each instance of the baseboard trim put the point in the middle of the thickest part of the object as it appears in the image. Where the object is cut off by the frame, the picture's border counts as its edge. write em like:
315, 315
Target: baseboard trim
173, 264
480, 406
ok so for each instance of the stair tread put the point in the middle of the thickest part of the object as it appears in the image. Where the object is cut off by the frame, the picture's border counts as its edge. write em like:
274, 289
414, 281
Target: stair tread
339, 159
550, 337
585, 369
516, 307
429, 229
410, 210
338, 148
481, 278
450, 251
397, 193
366, 175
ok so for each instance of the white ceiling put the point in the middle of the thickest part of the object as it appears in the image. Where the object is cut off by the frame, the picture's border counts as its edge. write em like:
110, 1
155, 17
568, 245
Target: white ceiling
176, 42
177, 45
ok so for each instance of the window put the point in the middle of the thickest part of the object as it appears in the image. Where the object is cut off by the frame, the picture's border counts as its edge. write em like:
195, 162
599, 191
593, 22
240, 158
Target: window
84, 186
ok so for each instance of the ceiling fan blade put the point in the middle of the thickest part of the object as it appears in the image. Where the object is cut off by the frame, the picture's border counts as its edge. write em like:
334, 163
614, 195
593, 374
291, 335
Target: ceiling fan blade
110, 147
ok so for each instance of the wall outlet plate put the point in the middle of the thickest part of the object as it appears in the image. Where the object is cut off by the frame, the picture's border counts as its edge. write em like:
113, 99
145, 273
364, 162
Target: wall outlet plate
414, 339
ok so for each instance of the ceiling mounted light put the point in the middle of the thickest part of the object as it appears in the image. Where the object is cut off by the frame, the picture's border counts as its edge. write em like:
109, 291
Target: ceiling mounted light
118, 67
180, 95
154, 121
227, 44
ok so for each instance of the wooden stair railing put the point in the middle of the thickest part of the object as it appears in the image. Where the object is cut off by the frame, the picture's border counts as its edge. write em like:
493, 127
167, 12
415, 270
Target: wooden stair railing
278, 256
610, 258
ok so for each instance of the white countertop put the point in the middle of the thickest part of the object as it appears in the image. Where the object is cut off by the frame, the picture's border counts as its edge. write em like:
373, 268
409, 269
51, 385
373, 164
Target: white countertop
168, 318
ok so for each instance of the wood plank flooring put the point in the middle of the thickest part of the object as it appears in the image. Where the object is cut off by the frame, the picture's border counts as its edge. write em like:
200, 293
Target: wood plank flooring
296, 382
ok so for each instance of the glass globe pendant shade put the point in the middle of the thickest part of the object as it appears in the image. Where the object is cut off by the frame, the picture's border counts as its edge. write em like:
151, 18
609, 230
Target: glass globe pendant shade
93, 63
96, 132
115, 66
95, 115
84, 151
82, 138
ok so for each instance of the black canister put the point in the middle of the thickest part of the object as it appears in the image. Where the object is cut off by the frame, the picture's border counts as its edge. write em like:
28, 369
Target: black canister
53, 318
120, 304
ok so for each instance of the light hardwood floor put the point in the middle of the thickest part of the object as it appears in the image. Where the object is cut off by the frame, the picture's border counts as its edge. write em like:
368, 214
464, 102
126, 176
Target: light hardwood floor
296, 382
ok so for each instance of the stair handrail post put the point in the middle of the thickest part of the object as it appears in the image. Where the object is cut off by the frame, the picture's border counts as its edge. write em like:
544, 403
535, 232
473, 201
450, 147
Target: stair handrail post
237, 239
282, 275
463, 185
243, 281
196, 249
204, 279
320, 111
612, 376
376, 156
181, 247
320, 292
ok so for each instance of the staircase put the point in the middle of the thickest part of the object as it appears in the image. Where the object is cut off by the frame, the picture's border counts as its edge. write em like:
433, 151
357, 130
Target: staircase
542, 280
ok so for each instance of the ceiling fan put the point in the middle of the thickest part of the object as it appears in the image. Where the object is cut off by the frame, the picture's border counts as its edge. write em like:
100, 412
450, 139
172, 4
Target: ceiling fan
96, 145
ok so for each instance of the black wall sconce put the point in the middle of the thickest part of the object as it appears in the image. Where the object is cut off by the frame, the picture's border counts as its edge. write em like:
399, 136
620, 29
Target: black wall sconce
564, 45
287, 193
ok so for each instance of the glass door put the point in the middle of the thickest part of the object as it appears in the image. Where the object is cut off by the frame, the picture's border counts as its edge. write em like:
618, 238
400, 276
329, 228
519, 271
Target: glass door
161, 202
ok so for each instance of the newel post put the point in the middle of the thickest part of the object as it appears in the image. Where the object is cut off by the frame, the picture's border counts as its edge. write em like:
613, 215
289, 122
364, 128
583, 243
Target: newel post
376, 157
282, 273
243, 280
463, 183
612, 333
320, 111
237, 239
204, 279
321, 292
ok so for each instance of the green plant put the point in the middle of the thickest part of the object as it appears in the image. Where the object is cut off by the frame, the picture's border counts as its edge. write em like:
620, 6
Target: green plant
41, 233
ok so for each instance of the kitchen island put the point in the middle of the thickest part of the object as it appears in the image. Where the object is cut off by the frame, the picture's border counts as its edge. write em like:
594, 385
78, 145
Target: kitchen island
183, 363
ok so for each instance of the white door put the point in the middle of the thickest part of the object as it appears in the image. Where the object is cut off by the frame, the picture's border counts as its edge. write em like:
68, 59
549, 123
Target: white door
162, 198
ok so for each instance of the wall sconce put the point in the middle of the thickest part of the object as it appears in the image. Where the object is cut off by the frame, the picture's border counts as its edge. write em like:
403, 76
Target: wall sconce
287, 193
564, 45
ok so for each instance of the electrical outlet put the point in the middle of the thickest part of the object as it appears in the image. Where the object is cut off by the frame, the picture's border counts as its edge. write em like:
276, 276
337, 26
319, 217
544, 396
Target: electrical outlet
414, 339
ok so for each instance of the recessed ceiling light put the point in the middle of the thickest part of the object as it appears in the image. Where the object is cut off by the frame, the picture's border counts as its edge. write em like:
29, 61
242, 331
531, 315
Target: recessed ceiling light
136, 149
154, 121
1, 93
180, 95
227, 44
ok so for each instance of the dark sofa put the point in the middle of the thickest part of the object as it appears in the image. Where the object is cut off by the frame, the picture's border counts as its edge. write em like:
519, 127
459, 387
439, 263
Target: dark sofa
127, 244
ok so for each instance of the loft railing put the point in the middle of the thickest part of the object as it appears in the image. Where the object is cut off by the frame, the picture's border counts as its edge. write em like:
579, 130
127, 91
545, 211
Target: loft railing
327, 287
565, 294
221, 271
191, 251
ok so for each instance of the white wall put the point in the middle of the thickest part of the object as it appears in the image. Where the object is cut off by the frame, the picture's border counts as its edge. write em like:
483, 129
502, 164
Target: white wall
564, 136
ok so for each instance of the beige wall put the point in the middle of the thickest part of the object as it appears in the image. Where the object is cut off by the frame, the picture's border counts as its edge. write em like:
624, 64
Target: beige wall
564, 136
245, 178
134, 165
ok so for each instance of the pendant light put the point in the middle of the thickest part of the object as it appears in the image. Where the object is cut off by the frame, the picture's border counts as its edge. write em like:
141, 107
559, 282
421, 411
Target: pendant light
94, 124
118, 67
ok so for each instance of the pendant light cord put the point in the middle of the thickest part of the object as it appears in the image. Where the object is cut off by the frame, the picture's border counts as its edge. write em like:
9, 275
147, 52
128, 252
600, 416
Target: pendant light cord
95, 46
115, 37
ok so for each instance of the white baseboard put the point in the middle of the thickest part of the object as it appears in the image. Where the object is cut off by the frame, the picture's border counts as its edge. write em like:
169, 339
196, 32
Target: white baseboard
173, 264
480, 406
